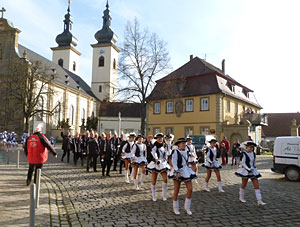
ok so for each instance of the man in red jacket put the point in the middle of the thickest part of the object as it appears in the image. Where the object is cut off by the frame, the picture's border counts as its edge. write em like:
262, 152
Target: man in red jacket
227, 147
36, 149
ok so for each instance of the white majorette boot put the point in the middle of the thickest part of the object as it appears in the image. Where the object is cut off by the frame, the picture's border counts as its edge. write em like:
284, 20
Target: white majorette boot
153, 188
176, 207
242, 195
142, 179
126, 176
220, 186
196, 181
131, 175
164, 191
187, 206
258, 197
206, 187
136, 183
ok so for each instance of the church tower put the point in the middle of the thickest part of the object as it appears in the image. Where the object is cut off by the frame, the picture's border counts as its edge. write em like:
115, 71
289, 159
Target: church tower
65, 54
105, 61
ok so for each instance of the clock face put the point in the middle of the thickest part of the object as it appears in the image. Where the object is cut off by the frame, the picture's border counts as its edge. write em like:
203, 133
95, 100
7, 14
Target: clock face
101, 51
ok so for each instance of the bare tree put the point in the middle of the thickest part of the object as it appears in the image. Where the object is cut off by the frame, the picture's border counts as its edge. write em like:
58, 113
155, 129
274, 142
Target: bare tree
143, 58
29, 85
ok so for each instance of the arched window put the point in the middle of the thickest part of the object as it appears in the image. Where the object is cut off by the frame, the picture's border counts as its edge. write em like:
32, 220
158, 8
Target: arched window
61, 62
101, 61
114, 64
40, 107
57, 113
100, 88
74, 66
71, 115
83, 114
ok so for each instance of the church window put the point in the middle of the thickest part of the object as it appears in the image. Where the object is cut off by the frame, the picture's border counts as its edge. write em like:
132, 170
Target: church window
74, 66
115, 64
61, 62
101, 61
83, 114
100, 88
57, 113
40, 107
71, 114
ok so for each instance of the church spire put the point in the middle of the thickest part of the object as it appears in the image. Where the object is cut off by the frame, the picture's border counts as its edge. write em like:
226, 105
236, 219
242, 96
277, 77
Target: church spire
66, 38
106, 35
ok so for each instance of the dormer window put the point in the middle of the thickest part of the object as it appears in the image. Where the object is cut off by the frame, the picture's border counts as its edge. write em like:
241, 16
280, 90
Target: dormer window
231, 86
246, 93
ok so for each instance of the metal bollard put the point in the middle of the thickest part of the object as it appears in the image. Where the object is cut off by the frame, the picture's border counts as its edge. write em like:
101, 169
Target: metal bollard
18, 158
38, 186
32, 205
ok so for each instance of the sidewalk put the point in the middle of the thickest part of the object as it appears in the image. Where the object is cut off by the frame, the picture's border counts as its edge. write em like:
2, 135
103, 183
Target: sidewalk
15, 199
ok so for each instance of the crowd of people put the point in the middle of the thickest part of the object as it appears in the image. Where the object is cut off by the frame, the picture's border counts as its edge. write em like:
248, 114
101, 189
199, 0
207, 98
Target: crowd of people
158, 155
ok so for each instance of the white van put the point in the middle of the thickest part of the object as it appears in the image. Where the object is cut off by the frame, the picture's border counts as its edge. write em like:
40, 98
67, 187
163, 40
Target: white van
286, 157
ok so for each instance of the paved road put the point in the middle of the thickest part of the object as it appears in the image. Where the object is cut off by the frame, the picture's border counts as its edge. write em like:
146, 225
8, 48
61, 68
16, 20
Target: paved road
78, 198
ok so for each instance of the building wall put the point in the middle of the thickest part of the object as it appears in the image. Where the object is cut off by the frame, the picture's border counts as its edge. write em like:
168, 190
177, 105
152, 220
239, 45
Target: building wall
214, 120
180, 124
237, 108
107, 124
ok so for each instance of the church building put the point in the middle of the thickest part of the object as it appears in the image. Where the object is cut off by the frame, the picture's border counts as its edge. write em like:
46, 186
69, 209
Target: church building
74, 100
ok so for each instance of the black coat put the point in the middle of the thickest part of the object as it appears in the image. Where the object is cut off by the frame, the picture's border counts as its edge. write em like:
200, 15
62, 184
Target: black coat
93, 146
76, 145
84, 143
67, 142
105, 149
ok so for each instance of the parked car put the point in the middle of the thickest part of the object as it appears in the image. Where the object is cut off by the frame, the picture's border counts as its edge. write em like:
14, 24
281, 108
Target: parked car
200, 142
286, 157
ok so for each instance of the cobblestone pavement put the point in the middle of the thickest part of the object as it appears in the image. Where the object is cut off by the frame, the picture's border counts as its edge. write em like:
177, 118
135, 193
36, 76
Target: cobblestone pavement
78, 198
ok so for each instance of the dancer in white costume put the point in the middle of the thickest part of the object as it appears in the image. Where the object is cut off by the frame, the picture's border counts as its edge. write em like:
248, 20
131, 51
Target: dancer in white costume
127, 154
212, 163
139, 159
193, 159
182, 173
249, 171
159, 165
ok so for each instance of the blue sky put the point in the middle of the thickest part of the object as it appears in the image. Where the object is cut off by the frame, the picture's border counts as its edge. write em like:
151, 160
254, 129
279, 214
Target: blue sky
258, 38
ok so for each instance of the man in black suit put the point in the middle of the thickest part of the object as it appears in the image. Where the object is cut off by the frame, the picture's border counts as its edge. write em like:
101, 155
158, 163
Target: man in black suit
106, 154
92, 152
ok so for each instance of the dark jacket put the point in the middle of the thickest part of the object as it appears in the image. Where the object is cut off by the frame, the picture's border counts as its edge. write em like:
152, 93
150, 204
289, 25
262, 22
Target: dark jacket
105, 149
93, 146
149, 147
67, 141
76, 145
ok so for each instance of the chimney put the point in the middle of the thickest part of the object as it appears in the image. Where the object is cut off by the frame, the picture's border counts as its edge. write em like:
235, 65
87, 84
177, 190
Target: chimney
223, 66
191, 57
